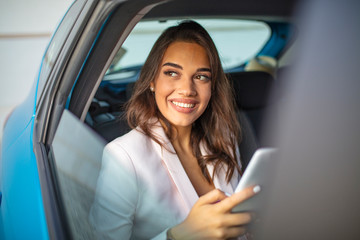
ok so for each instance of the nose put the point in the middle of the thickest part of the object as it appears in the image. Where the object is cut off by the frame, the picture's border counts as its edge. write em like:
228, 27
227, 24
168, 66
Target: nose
187, 87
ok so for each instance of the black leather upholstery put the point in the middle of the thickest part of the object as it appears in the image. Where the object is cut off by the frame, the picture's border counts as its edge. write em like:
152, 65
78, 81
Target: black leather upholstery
251, 88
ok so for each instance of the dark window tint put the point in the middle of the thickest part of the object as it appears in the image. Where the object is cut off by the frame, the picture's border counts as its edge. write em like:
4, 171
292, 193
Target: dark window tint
77, 153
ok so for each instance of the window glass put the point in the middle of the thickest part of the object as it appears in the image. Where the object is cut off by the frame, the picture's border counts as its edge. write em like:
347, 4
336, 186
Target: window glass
57, 43
77, 153
236, 40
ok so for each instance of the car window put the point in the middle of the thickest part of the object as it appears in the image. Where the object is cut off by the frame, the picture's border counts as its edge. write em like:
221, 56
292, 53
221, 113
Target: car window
56, 44
236, 40
77, 153
79, 157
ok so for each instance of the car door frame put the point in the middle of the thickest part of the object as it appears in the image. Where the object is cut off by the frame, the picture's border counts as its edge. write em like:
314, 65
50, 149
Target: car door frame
96, 36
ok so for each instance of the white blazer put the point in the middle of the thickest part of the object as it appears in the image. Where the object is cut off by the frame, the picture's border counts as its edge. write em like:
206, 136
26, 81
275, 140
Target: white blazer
143, 188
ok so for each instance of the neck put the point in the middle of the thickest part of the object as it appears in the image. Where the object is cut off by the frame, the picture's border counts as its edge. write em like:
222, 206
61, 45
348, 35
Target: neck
181, 140
181, 137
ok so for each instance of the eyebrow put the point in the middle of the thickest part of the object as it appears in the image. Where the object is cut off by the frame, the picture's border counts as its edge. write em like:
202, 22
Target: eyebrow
173, 65
180, 67
204, 70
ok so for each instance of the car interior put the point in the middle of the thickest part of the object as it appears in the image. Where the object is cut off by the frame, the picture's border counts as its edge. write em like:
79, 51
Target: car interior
252, 81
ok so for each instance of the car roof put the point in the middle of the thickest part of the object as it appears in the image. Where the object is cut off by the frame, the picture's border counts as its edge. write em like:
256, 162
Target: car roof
260, 9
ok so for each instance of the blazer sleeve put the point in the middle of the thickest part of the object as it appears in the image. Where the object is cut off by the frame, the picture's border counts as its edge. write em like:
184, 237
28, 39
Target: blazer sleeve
116, 197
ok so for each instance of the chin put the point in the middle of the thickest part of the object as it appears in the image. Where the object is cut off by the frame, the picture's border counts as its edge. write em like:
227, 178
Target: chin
182, 123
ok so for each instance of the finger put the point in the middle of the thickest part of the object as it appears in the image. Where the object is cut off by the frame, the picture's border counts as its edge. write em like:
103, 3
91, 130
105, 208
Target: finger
237, 219
230, 202
212, 197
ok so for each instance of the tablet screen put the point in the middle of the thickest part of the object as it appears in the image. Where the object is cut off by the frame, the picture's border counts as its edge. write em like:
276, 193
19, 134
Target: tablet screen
258, 172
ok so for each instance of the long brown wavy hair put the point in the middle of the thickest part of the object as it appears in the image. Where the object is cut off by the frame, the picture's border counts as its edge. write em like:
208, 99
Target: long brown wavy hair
217, 128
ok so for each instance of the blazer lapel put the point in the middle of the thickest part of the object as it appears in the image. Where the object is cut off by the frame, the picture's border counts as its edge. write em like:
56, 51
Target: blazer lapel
179, 176
175, 169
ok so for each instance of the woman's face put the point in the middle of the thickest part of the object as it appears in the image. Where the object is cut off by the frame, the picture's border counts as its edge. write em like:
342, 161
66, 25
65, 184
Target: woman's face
183, 84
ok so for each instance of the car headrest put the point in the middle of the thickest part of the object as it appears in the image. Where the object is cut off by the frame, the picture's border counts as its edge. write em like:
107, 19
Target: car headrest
251, 88
262, 63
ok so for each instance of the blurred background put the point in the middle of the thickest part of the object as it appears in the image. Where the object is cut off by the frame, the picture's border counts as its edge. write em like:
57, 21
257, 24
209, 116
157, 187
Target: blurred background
26, 27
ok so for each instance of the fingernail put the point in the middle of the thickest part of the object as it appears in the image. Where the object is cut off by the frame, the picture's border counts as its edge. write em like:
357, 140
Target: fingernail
256, 189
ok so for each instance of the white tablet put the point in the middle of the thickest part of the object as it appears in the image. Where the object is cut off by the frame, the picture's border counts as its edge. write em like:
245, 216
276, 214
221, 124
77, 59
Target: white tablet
258, 172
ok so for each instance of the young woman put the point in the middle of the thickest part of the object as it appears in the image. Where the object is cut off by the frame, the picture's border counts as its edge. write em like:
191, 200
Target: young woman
168, 177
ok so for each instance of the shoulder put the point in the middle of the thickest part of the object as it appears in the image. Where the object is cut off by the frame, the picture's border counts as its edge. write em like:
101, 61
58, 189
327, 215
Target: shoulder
123, 152
133, 144
130, 139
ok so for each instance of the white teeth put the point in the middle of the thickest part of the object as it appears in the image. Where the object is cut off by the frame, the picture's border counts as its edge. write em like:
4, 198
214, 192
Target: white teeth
184, 105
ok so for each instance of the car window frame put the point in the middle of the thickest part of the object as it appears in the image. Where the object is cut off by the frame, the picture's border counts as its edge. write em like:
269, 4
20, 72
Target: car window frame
53, 79
56, 45
55, 218
104, 50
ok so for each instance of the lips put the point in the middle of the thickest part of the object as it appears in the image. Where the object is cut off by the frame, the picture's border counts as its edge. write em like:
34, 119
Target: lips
184, 105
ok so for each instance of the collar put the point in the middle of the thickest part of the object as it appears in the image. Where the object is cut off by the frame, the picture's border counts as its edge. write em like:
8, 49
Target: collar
179, 176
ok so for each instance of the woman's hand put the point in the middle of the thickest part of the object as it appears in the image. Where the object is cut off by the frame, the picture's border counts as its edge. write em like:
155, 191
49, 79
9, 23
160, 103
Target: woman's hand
211, 217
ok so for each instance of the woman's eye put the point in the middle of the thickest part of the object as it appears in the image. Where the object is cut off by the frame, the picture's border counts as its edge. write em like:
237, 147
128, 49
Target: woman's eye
171, 73
202, 77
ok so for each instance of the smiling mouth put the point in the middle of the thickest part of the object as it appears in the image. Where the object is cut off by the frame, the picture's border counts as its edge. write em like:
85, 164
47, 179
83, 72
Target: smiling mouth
183, 105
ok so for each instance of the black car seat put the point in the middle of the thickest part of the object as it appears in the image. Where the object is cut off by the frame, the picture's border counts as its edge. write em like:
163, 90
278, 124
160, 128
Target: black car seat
252, 91
251, 94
